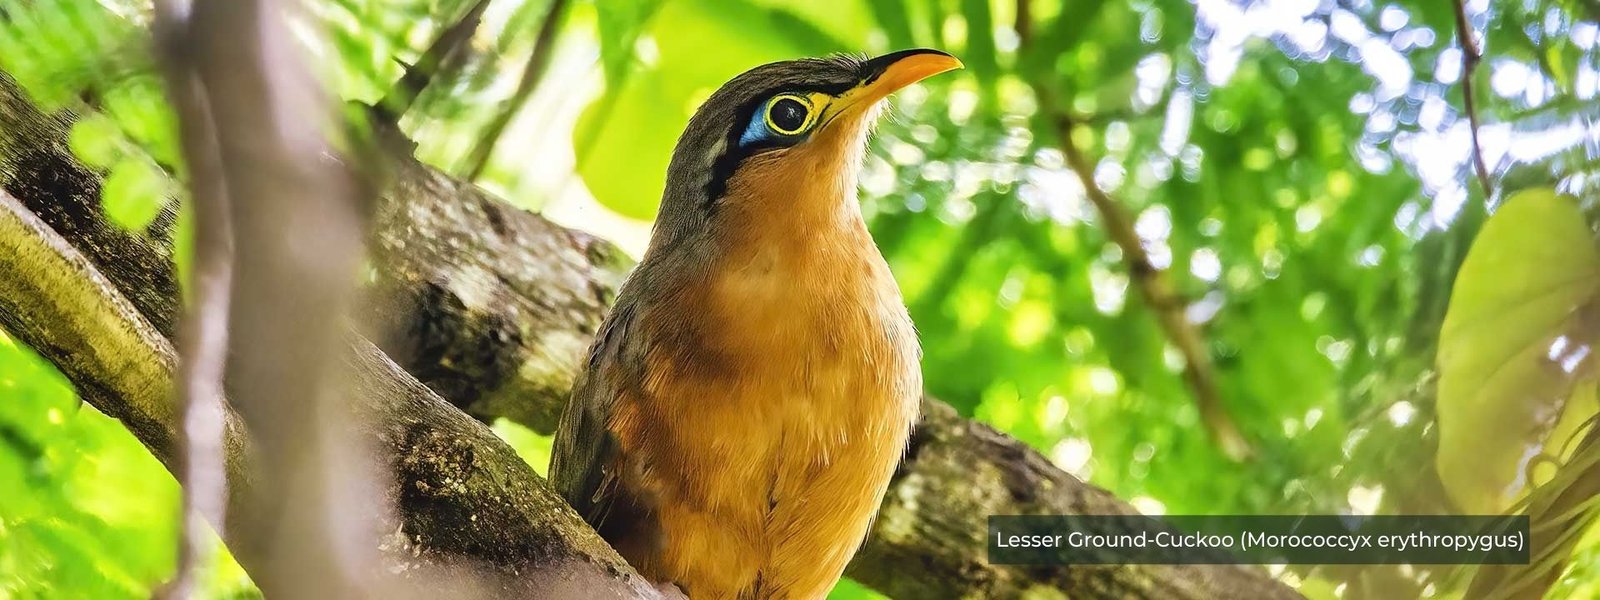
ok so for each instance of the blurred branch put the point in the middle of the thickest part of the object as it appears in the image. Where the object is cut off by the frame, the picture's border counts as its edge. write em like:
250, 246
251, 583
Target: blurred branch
1158, 292
538, 62
501, 305
1153, 283
204, 336
297, 231
447, 50
1470, 56
1024, 22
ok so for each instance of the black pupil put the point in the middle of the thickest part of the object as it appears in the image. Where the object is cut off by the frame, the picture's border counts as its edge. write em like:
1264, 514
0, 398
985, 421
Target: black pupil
788, 114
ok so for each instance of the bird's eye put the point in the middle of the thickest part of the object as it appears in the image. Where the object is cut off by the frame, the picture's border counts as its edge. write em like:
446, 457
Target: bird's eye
789, 115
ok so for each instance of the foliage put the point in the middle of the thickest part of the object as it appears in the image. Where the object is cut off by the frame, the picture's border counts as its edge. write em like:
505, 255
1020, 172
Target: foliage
1518, 329
51, 530
1300, 169
88, 512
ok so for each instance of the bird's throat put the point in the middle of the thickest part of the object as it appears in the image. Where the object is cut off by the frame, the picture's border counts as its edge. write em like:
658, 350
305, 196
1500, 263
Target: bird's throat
805, 190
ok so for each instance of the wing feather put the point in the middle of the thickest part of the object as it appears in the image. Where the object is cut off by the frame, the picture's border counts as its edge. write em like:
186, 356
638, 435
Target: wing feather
583, 461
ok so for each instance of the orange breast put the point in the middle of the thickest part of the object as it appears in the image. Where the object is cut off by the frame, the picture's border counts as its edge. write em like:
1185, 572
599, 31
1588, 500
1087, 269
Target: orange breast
779, 391
770, 425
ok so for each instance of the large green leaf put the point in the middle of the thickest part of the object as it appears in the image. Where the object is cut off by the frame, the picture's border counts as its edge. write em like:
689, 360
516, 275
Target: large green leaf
1513, 345
617, 25
700, 47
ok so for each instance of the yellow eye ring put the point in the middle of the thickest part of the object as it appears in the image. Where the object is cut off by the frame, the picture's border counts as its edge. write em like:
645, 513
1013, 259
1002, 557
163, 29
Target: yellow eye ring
782, 113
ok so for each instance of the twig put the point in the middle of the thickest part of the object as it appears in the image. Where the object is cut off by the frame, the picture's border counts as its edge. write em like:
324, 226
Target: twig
538, 63
1154, 286
1158, 292
203, 339
1024, 22
1470, 56
445, 51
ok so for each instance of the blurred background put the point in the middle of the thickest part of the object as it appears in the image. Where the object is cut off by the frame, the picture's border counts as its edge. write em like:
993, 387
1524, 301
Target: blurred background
1300, 174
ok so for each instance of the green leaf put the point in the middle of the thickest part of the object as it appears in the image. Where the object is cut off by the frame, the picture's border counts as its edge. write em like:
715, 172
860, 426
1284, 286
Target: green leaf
1522, 306
618, 25
96, 141
635, 129
133, 193
625, 166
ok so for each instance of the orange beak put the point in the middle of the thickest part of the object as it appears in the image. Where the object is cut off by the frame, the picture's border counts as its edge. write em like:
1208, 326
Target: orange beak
892, 72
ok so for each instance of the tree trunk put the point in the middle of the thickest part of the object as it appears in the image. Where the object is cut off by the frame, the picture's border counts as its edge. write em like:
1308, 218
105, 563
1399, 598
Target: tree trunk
497, 307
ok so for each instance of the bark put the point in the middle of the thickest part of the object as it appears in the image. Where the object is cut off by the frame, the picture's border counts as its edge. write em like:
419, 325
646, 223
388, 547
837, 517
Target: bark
500, 305
928, 541
471, 512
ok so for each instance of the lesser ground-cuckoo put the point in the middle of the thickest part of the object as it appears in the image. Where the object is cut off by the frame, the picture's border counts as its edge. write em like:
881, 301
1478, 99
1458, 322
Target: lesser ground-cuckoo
751, 393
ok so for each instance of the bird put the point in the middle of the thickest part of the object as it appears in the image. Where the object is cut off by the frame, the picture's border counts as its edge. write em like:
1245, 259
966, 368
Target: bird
747, 400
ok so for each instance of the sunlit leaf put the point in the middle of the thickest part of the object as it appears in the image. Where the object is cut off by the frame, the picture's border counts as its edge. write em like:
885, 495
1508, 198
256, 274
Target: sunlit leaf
1519, 327
134, 192
96, 141
701, 48
618, 25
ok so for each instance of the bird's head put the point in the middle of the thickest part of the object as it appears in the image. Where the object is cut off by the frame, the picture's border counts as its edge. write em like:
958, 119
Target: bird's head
785, 136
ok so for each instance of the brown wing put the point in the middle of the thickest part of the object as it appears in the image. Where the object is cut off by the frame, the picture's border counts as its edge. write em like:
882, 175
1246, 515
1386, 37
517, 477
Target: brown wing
583, 460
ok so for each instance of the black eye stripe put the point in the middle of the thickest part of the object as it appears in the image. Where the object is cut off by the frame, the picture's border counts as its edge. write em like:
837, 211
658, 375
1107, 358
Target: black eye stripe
723, 166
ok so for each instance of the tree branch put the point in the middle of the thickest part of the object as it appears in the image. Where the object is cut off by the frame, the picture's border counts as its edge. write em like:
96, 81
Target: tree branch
544, 49
1470, 56
1023, 22
1153, 283
470, 509
929, 537
204, 336
1155, 286
446, 50
501, 305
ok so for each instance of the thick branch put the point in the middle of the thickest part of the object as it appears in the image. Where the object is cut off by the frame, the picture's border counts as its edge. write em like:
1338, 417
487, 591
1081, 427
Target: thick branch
501, 305
471, 509
928, 541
